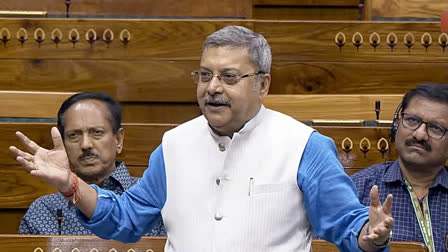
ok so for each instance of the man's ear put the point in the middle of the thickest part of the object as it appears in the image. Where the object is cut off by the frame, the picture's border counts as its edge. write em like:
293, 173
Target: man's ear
265, 83
119, 137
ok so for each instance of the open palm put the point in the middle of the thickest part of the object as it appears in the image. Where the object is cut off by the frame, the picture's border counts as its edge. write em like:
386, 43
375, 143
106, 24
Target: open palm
51, 166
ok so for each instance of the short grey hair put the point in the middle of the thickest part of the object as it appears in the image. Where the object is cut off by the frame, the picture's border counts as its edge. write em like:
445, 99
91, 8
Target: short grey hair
241, 37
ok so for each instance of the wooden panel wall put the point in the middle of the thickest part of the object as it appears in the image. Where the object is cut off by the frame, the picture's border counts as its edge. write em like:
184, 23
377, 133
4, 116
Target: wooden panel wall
306, 10
26, 243
139, 8
304, 108
156, 64
408, 8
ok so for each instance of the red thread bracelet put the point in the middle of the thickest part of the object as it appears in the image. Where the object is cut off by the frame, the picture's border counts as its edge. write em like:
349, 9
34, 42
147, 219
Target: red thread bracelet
74, 190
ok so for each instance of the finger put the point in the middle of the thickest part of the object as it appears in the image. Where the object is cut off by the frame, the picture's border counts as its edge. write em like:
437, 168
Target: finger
370, 237
30, 145
18, 153
29, 166
374, 197
381, 230
390, 222
57, 139
387, 206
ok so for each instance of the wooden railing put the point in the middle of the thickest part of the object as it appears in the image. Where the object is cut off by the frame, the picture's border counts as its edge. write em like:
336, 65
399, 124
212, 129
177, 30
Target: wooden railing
31, 243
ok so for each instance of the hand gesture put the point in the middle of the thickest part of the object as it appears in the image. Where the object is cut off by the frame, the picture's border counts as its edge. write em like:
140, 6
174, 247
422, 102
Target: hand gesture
380, 219
52, 166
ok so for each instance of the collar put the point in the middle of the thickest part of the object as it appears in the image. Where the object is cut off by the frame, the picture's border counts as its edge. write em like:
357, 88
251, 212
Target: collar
248, 126
393, 174
121, 175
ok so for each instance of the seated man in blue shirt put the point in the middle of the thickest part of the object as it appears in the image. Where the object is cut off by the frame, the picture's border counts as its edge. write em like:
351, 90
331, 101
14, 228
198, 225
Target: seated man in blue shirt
238, 178
418, 179
90, 124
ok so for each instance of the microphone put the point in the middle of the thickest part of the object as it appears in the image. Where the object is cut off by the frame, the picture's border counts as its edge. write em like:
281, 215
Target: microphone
377, 109
67, 10
59, 218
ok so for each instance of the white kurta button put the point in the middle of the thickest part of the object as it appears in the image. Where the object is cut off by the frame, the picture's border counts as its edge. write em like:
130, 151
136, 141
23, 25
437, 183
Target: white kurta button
218, 181
222, 147
218, 216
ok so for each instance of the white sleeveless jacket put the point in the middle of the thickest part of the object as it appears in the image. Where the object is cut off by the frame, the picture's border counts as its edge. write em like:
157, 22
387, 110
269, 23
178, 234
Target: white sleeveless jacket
238, 194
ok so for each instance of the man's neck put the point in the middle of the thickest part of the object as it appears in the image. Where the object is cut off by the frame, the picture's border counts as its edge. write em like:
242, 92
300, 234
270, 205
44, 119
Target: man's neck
99, 178
420, 178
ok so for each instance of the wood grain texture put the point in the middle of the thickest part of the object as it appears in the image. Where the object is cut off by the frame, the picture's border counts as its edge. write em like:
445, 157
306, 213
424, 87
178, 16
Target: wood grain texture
10, 219
354, 159
300, 41
324, 246
313, 41
302, 107
27, 243
338, 107
408, 8
167, 39
300, 13
38, 104
306, 2
169, 8
169, 81
155, 81
143, 112
46, 105
353, 78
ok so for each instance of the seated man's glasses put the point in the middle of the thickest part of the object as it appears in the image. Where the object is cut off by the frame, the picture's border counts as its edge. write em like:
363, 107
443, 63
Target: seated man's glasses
202, 77
413, 122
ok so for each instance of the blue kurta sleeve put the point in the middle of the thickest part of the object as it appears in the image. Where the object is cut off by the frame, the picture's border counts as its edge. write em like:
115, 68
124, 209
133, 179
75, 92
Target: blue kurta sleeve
330, 196
128, 217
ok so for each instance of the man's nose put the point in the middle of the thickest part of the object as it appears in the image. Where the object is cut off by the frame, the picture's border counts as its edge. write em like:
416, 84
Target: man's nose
86, 143
214, 85
421, 132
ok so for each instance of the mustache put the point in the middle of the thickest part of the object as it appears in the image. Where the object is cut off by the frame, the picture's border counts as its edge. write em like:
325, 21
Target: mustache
413, 142
88, 154
209, 99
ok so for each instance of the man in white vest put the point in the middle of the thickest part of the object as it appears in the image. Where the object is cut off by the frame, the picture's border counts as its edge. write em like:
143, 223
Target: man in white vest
238, 178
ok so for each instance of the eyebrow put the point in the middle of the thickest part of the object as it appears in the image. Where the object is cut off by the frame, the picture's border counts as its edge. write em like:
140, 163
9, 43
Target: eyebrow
433, 122
222, 70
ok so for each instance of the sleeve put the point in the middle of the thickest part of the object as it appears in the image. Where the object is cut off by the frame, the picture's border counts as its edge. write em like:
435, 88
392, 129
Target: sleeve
128, 217
24, 227
330, 196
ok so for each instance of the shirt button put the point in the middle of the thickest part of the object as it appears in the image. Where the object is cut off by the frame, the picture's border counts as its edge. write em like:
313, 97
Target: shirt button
218, 181
218, 216
222, 147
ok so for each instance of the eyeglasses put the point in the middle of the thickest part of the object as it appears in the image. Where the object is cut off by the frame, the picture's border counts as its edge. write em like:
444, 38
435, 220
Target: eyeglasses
413, 122
200, 76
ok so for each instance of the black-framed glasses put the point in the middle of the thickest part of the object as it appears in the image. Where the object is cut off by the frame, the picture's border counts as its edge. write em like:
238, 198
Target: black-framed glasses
202, 76
413, 122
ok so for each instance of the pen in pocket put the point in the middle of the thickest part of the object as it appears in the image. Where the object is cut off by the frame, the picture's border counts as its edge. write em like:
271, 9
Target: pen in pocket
251, 185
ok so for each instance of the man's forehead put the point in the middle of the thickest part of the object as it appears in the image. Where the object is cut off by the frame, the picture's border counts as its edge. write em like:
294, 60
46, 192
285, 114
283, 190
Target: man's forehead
225, 57
89, 110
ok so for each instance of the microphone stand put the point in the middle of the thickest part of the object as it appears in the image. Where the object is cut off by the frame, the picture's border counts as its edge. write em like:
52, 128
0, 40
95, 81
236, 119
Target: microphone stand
67, 10
59, 218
